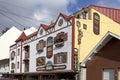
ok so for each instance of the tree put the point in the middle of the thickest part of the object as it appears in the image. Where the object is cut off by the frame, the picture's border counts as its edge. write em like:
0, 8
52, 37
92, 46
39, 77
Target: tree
5, 30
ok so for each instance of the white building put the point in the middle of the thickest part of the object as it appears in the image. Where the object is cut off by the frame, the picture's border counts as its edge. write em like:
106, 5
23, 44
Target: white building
4, 67
45, 54
6, 40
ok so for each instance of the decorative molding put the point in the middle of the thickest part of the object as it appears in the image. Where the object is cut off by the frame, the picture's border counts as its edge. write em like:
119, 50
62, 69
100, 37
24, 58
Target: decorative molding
49, 47
80, 35
96, 23
60, 38
50, 68
60, 58
40, 45
40, 61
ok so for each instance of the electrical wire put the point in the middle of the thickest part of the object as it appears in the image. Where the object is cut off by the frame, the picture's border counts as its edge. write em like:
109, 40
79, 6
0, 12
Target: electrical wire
12, 19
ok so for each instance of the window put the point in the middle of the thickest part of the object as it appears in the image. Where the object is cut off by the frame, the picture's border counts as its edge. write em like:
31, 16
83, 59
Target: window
27, 48
41, 31
78, 16
84, 26
40, 61
18, 52
96, 23
60, 58
108, 74
49, 47
60, 38
119, 74
60, 22
18, 65
12, 65
40, 45
12, 55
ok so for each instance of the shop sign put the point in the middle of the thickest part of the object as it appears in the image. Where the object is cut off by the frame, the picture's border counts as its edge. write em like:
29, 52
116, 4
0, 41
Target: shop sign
52, 67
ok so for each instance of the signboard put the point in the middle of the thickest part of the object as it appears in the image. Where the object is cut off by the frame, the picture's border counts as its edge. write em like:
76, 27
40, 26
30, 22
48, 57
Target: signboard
53, 67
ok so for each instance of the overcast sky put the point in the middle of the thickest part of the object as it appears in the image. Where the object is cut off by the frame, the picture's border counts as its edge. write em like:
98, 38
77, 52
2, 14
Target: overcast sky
27, 13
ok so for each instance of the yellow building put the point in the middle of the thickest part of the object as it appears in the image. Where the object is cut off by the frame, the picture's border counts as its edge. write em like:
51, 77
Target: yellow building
91, 25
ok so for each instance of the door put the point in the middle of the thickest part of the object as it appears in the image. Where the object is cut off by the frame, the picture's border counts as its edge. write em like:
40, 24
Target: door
108, 74
48, 77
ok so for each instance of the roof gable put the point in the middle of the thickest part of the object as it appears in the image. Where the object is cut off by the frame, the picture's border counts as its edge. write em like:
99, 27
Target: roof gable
52, 25
21, 37
112, 13
101, 43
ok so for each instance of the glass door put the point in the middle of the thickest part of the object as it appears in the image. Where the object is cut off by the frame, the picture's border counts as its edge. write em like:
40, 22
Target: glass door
108, 74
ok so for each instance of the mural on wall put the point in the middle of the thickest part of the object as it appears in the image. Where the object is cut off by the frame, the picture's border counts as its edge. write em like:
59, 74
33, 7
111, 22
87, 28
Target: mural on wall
80, 35
40, 45
50, 66
96, 23
49, 47
60, 58
40, 61
60, 38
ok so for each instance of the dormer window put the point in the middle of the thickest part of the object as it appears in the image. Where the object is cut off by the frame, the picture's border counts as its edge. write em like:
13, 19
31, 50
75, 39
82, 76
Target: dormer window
84, 13
78, 16
41, 31
60, 22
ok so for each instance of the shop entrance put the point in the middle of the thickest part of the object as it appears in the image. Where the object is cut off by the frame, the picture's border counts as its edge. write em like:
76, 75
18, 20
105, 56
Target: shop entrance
48, 77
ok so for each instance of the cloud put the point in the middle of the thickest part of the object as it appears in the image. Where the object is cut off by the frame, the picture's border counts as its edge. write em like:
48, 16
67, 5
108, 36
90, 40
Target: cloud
42, 11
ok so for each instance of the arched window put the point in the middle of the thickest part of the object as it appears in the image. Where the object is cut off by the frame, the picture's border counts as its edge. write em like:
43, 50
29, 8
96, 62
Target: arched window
49, 47
96, 23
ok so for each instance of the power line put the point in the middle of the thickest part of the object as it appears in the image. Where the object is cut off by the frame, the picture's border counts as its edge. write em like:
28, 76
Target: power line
23, 8
19, 15
30, 10
12, 19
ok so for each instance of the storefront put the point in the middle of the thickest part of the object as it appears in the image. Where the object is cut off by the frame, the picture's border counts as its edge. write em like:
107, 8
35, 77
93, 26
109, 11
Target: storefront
49, 76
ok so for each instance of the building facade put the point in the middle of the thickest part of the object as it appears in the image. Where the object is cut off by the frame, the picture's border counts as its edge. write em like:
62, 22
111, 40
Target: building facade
97, 25
47, 54
4, 68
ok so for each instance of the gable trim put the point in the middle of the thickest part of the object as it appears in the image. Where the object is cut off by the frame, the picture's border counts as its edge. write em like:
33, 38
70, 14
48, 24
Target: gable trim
100, 44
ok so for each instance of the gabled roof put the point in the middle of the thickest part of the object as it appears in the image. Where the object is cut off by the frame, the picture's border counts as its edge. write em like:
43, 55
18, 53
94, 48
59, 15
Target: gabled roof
46, 27
101, 43
65, 16
112, 13
31, 35
21, 37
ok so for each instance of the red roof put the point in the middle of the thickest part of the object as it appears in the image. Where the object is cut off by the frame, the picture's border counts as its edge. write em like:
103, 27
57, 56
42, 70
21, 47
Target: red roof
21, 37
65, 16
46, 27
112, 13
